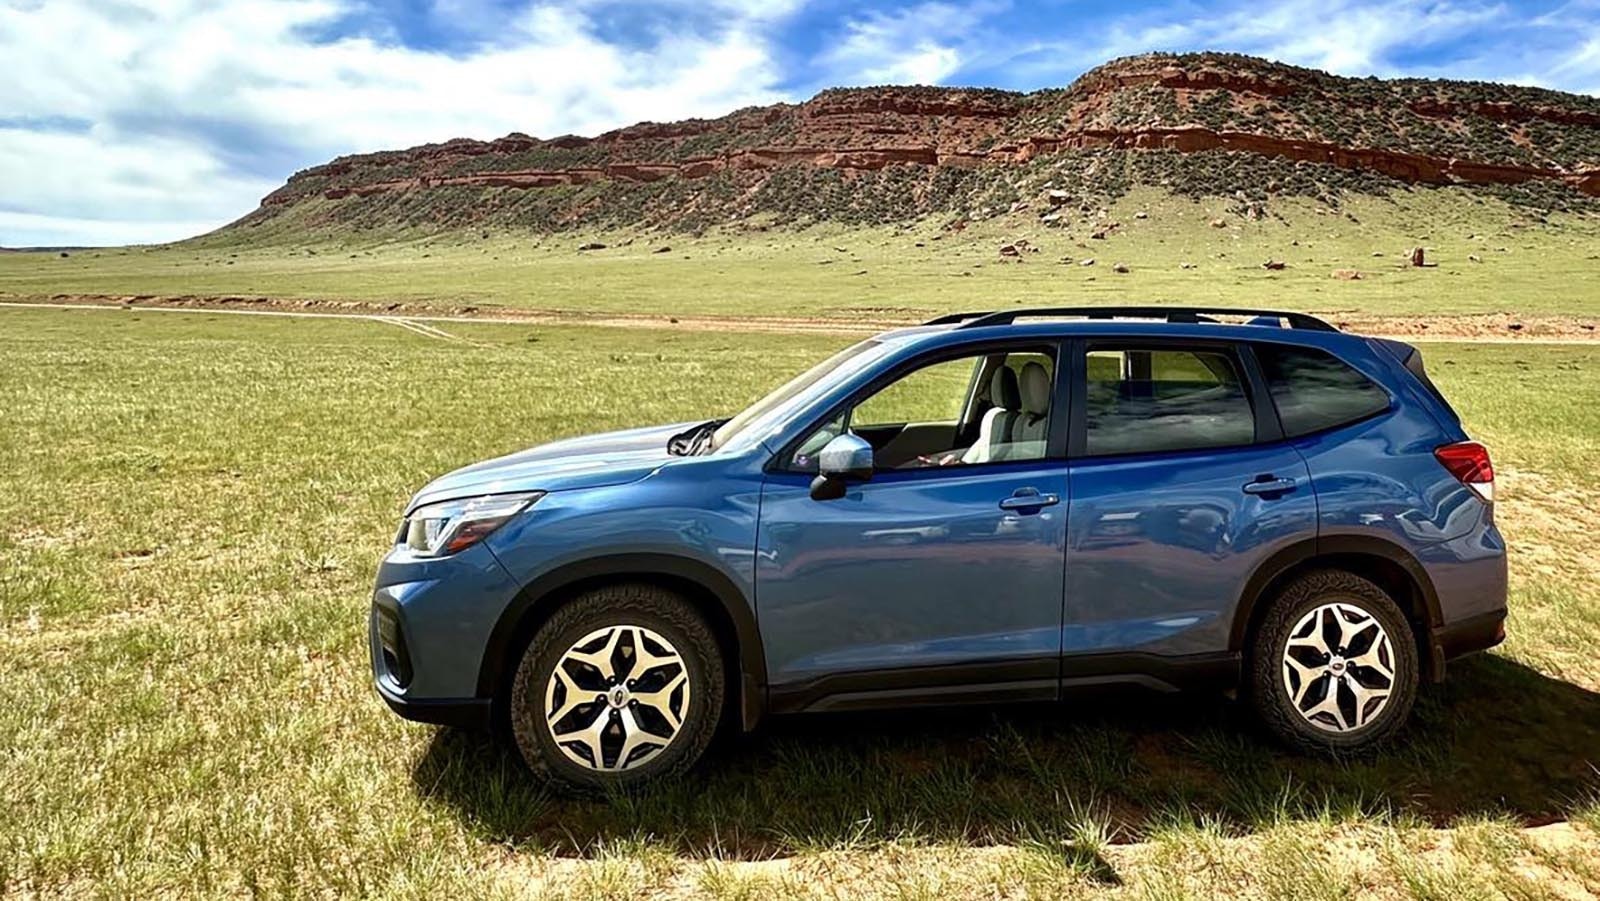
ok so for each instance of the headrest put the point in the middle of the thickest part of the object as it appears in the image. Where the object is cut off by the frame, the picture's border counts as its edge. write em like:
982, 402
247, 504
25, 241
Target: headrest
1035, 389
1003, 391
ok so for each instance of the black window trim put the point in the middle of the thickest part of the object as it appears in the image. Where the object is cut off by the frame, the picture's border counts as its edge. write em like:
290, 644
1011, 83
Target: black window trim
1268, 428
1055, 431
1389, 397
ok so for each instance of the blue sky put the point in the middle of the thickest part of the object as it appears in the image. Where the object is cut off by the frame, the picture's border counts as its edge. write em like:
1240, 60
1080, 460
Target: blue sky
151, 120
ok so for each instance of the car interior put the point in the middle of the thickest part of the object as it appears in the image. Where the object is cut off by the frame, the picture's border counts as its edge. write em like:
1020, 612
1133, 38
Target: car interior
977, 409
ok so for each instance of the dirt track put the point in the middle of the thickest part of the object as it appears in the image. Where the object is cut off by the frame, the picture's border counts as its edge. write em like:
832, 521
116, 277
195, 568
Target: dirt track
1495, 327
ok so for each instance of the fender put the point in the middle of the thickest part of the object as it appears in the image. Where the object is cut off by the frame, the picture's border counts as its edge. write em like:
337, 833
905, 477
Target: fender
1328, 546
712, 581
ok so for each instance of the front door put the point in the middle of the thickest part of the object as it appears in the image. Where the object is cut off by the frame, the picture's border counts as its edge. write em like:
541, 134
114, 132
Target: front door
941, 577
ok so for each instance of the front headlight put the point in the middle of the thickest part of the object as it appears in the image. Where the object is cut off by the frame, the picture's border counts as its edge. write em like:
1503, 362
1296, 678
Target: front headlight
449, 527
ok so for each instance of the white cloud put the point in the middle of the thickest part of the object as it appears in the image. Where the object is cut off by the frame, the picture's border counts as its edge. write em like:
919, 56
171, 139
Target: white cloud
1387, 38
922, 44
158, 188
180, 96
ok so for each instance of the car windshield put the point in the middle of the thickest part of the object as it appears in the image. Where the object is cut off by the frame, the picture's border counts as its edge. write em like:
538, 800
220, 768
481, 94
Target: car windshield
838, 366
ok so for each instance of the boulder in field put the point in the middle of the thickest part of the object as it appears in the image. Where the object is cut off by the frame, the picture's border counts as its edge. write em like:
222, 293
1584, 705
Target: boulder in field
1347, 275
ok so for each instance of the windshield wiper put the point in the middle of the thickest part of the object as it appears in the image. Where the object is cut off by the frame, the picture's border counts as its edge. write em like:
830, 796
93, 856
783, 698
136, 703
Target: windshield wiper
694, 441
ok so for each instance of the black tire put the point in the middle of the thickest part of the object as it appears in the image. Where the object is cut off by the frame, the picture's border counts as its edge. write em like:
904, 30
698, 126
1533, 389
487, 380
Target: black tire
1270, 692
651, 607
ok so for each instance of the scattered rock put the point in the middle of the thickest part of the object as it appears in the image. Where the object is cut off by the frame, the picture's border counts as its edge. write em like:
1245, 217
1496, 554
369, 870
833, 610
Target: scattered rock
1185, 265
1474, 258
1515, 326
1274, 265
1219, 223
1088, 261
1099, 235
1418, 257
1120, 267
64, 254
662, 249
592, 245
1010, 250
1019, 206
1141, 215
1058, 197
1347, 275
1377, 253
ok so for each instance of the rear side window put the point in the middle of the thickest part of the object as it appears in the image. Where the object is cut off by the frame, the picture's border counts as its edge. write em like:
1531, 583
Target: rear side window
1145, 401
1314, 390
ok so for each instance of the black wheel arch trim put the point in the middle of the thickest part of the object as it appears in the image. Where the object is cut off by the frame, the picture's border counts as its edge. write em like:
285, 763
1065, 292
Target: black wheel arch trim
752, 663
1280, 563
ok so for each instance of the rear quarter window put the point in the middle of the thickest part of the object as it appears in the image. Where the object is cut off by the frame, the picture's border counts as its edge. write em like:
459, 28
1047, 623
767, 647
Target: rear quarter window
1315, 391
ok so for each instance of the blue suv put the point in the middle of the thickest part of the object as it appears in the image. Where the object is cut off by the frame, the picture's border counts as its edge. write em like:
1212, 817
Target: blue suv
988, 507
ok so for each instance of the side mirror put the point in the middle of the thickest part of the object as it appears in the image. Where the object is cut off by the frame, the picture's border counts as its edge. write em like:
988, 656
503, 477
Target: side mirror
844, 459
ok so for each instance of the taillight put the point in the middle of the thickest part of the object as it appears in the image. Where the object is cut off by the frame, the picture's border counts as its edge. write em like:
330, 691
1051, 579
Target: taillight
1469, 462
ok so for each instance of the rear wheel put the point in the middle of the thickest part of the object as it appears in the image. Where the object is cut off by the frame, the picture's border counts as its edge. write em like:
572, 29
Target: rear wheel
1334, 664
622, 685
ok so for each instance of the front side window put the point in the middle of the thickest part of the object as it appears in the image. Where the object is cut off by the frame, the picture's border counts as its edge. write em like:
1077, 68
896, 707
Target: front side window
1314, 390
984, 408
1159, 399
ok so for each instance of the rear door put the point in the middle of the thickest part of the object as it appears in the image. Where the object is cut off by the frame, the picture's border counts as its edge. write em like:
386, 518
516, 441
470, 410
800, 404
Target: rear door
1181, 486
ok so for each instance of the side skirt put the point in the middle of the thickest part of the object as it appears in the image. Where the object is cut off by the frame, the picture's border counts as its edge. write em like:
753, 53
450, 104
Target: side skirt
1005, 682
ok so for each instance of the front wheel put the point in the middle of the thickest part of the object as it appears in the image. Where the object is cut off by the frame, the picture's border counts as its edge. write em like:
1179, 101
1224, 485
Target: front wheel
1334, 664
622, 685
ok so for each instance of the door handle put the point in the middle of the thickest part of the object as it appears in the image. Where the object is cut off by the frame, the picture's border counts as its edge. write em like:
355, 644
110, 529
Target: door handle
1268, 486
1029, 499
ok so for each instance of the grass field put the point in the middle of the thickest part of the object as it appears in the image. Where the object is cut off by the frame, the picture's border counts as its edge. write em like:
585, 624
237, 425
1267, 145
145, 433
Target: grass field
195, 505
1491, 258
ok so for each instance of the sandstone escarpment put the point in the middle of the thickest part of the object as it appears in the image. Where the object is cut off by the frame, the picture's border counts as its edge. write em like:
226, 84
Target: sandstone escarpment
921, 139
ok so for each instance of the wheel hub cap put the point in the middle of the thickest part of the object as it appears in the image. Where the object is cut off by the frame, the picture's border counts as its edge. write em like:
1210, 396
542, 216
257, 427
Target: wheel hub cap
1338, 667
616, 698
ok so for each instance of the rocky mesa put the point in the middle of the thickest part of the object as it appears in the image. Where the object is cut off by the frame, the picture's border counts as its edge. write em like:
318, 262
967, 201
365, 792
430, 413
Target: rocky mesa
1194, 123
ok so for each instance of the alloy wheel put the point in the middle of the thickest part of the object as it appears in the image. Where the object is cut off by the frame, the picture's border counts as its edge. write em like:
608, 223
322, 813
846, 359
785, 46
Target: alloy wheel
616, 698
1338, 667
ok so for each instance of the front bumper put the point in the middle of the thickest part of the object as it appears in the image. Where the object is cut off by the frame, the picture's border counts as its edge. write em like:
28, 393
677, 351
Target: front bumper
463, 713
428, 629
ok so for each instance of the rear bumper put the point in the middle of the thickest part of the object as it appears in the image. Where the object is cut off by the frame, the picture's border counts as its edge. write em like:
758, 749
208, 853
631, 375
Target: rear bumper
1475, 633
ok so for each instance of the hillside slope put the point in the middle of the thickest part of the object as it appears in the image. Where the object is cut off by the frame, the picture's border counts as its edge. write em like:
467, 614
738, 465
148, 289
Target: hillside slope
1196, 124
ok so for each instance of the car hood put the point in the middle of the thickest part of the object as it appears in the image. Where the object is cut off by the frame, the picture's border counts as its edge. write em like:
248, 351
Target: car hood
592, 461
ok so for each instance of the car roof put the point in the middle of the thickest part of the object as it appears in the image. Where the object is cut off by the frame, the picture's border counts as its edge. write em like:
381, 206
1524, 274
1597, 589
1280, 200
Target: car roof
1166, 322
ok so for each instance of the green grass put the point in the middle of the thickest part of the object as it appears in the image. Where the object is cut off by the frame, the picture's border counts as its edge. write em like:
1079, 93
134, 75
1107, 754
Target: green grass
195, 505
1524, 264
